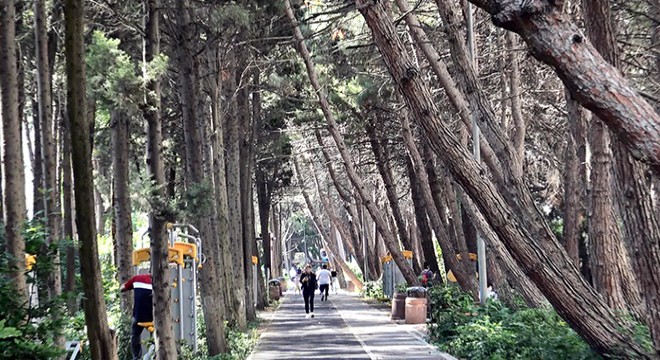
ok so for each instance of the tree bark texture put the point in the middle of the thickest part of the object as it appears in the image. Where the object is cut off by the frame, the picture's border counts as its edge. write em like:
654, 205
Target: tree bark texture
460, 269
209, 115
158, 214
216, 133
202, 210
382, 163
325, 233
38, 181
519, 122
610, 263
456, 96
331, 239
611, 268
262, 184
557, 41
389, 238
101, 342
633, 194
14, 194
52, 203
575, 180
246, 156
353, 242
67, 209
512, 213
233, 168
421, 219
119, 124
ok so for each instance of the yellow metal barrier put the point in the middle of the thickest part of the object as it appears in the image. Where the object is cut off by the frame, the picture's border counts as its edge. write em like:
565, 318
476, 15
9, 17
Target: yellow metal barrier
188, 249
175, 255
472, 256
255, 260
407, 254
141, 255
30, 260
450, 274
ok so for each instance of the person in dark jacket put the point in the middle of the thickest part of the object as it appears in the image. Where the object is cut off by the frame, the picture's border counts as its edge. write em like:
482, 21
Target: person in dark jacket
309, 285
142, 308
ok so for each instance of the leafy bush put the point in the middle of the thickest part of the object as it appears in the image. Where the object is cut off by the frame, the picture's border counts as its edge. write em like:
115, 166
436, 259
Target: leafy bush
373, 290
494, 331
26, 332
240, 345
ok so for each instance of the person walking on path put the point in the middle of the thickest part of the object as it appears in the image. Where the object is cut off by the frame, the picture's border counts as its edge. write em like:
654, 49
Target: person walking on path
335, 282
325, 279
308, 284
293, 274
142, 308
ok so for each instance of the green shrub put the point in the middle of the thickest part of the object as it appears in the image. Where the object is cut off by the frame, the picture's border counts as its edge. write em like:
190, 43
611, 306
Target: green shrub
494, 331
25, 332
373, 290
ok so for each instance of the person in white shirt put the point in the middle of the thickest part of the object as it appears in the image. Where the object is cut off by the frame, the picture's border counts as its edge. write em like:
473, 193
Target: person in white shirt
324, 278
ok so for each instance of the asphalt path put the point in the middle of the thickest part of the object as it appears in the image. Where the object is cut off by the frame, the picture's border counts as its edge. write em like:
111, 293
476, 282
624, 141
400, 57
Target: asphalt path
343, 328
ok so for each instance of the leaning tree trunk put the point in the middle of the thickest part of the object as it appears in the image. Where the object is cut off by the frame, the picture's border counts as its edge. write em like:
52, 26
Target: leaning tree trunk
421, 220
471, 90
456, 97
353, 242
511, 272
455, 226
193, 125
382, 163
101, 342
327, 237
597, 85
389, 238
460, 269
331, 240
14, 185
512, 214
119, 125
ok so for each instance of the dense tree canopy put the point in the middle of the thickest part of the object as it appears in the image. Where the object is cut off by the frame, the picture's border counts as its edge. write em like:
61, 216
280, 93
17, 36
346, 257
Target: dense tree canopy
285, 130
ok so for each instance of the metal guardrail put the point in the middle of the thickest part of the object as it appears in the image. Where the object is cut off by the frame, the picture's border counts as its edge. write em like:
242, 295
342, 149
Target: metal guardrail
73, 349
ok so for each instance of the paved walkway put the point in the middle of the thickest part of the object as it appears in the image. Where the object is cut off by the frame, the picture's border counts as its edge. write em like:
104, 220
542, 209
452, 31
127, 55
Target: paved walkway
343, 328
